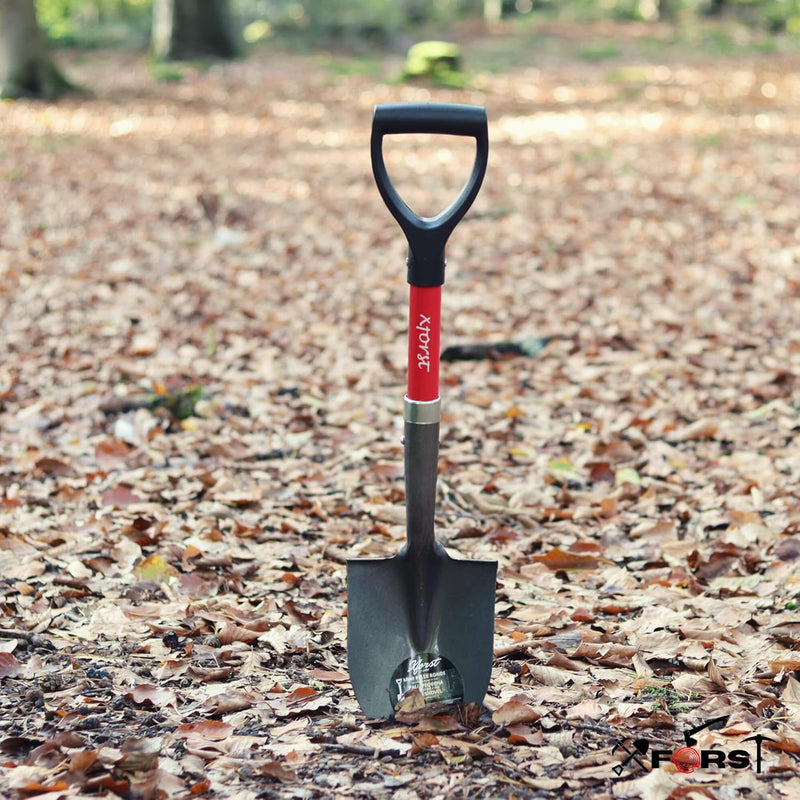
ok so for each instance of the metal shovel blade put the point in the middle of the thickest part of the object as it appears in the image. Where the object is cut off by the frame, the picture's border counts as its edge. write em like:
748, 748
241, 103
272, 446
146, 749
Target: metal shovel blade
435, 637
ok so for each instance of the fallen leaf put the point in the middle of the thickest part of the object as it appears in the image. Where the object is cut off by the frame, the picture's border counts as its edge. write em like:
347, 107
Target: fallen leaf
54, 466
705, 428
523, 734
156, 696
301, 694
155, 569
228, 702
112, 453
82, 760
556, 559
201, 787
437, 723
120, 497
627, 475
277, 771
139, 754
210, 729
425, 740
230, 633
586, 709
329, 676
9, 665
514, 712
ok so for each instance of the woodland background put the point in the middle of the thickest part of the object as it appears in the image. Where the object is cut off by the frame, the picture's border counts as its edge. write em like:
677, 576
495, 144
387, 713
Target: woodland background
202, 317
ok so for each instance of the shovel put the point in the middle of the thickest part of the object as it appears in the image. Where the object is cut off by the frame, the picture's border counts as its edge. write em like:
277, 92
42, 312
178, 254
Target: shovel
420, 624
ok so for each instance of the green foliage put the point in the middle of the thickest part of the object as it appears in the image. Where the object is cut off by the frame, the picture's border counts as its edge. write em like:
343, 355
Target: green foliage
93, 23
599, 51
374, 20
665, 697
371, 21
166, 72
781, 15
181, 402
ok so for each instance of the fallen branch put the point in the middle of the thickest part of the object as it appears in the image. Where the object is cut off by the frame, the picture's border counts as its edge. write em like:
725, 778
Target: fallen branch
34, 639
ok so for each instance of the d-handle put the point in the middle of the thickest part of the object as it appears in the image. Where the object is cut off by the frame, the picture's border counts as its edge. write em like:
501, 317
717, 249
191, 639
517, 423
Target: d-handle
427, 236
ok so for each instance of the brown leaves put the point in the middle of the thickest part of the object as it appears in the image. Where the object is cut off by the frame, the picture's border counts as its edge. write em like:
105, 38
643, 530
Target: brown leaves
190, 455
54, 466
145, 693
208, 730
120, 497
515, 711
556, 559
9, 666
230, 633
276, 770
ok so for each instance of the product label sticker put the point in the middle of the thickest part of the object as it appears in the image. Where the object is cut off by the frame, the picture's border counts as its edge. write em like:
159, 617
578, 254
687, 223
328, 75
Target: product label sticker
433, 675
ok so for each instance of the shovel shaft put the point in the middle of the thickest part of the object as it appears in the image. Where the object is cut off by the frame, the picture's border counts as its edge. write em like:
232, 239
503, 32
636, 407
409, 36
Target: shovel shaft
422, 412
424, 327
421, 450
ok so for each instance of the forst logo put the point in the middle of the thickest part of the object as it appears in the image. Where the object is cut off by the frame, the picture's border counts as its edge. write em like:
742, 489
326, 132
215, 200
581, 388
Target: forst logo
688, 758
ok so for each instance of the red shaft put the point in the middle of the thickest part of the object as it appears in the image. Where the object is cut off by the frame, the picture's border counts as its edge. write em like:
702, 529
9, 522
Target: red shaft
424, 325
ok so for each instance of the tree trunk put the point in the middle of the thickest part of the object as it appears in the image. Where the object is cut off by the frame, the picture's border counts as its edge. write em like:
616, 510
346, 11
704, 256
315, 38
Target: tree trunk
26, 69
193, 29
492, 11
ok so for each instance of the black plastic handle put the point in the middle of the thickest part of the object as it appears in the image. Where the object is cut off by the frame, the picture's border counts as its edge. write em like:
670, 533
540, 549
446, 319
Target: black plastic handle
427, 236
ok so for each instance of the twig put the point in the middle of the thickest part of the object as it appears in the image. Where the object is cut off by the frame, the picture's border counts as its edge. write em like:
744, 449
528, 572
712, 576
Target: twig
362, 750
513, 773
32, 638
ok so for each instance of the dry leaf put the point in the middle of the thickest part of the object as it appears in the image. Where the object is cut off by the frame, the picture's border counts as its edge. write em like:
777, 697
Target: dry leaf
513, 712
330, 676
636, 479
587, 709
522, 734
228, 702
412, 701
210, 729
230, 633
557, 559
9, 666
120, 497
276, 770
144, 693
706, 428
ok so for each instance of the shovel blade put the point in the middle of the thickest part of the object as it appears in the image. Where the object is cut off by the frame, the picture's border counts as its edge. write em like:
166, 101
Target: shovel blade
439, 642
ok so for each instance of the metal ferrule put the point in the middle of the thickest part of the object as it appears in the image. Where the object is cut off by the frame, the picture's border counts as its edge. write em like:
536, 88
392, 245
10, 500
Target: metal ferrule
422, 412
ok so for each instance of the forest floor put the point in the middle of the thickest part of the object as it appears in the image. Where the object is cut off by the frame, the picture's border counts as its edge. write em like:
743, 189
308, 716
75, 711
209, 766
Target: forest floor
203, 316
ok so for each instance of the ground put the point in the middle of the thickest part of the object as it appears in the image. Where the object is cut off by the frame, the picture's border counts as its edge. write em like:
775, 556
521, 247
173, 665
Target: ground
203, 325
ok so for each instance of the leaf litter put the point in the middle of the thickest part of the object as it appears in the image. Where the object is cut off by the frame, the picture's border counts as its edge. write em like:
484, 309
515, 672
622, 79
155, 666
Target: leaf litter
203, 316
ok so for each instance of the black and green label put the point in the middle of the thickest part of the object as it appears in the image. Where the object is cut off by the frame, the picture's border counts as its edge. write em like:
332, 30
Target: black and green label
433, 675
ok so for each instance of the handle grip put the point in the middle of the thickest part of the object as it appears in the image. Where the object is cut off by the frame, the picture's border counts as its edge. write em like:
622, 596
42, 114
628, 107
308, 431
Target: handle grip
427, 236
447, 118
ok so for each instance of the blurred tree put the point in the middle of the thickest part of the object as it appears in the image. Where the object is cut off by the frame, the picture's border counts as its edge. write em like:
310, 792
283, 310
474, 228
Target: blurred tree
26, 68
492, 10
193, 29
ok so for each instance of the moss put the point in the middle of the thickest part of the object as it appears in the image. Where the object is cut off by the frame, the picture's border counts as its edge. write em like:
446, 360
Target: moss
665, 697
437, 61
